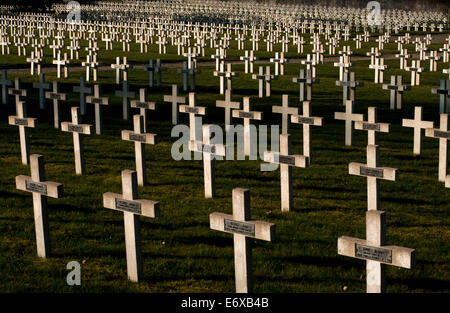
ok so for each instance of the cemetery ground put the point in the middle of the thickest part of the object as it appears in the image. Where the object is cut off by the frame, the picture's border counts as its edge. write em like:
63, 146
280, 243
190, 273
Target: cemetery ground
180, 252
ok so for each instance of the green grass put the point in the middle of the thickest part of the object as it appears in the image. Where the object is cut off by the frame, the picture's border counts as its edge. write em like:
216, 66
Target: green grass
180, 252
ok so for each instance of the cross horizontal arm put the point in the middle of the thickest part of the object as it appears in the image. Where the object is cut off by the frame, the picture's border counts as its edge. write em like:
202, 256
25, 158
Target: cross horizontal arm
291, 160
22, 121
310, 120
146, 138
116, 202
254, 229
385, 173
48, 188
398, 256
189, 109
84, 129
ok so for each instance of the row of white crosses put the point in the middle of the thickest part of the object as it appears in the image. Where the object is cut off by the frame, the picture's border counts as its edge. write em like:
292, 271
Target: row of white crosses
374, 248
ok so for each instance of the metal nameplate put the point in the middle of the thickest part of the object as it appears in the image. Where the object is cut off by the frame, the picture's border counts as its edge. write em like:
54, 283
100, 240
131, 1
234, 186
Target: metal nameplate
16, 92
21, 121
373, 253
442, 134
36, 187
242, 228
391, 87
128, 206
141, 105
75, 128
305, 120
136, 137
369, 171
55, 96
369, 126
245, 115
191, 110
96, 100
286, 159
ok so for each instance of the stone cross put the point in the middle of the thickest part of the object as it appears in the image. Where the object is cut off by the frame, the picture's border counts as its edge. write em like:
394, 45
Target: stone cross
349, 118
243, 229
62, 63
404, 56
150, 68
286, 161
376, 252
132, 208
349, 85
56, 96
126, 94
308, 81
5, 82
192, 72
98, 101
396, 87
261, 78
16, 91
76, 128
285, 111
415, 70
227, 104
279, 63
209, 150
41, 189
23, 122
221, 74
307, 120
374, 249
374, 54
83, 91
443, 133
248, 61
379, 68
344, 65
121, 67
434, 58
91, 63
193, 110
175, 99
35, 60
372, 126
250, 145
42, 86
444, 94
418, 124
143, 106
139, 137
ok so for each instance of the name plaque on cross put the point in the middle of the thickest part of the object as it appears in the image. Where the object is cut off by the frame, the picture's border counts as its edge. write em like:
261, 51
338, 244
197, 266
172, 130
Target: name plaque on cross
55, 96
373, 253
191, 110
369, 126
239, 227
245, 115
36, 187
373, 172
441, 134
75, 128
16, 92
390, 87
285, 159
96, 100
129, 206
305, 120
137, 137
141, 105
209, 148
21, 121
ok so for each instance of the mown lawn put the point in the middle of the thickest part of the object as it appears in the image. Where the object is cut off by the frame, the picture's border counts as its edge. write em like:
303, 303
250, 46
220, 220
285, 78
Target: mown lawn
180, 252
